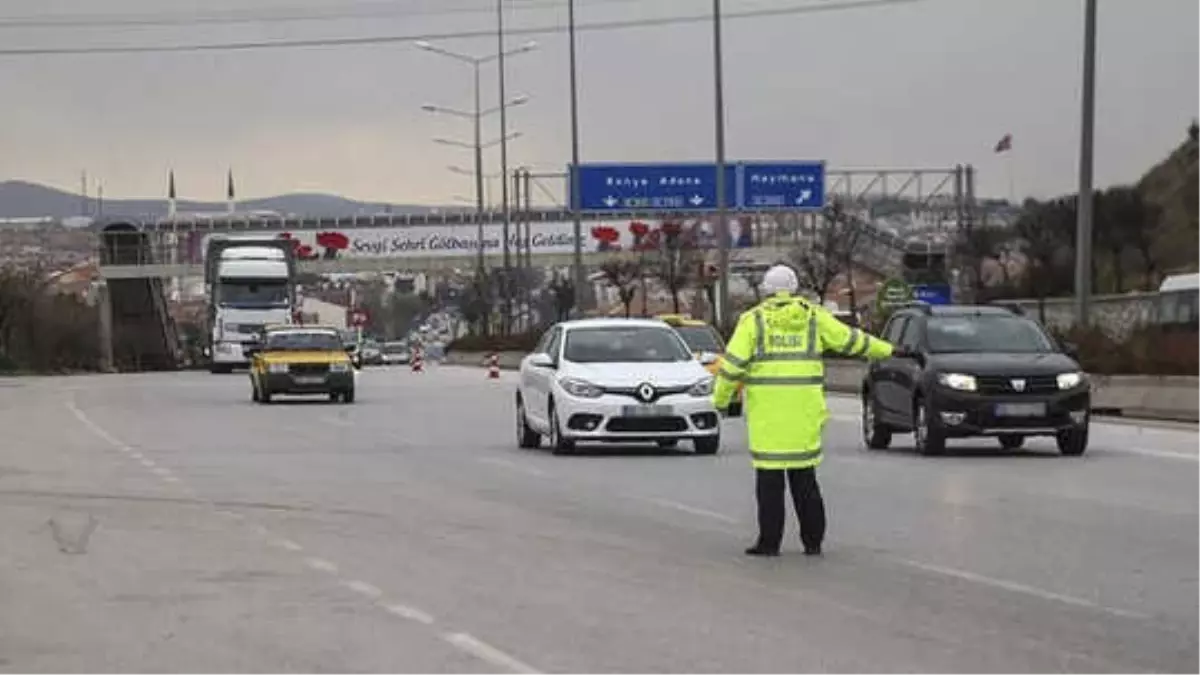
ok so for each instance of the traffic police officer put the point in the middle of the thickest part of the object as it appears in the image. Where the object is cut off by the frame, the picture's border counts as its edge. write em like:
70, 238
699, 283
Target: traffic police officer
775, 354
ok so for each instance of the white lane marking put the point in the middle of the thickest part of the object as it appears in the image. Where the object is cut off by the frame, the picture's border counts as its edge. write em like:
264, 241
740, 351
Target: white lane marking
95, 428
704, 513
137, 455
171, 479
161, 472
411, 613
482, 650
512, 466
338, 421
146, 463
321, 565
1160, 454
287, 544
1022, 588
363, 588
231, 515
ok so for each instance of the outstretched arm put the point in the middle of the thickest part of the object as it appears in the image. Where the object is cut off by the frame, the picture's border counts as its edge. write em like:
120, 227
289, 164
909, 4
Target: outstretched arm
838, 337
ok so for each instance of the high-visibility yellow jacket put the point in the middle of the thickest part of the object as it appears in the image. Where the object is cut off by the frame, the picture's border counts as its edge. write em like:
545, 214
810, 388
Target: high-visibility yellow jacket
776, 353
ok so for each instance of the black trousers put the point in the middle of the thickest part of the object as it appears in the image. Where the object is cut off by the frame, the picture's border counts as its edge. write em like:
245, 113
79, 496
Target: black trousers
806, 496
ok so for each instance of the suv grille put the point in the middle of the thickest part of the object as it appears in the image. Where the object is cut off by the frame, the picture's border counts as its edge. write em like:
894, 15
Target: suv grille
308, 368
1002, 384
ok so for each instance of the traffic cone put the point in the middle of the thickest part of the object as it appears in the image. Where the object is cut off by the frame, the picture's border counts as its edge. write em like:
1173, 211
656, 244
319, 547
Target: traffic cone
418, 361
494, 366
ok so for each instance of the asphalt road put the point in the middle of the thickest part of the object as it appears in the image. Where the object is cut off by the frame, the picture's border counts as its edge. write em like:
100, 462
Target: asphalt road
163, 522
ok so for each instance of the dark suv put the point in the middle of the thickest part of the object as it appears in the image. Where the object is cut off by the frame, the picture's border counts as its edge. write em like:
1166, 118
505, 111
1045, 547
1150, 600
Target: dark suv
976, 371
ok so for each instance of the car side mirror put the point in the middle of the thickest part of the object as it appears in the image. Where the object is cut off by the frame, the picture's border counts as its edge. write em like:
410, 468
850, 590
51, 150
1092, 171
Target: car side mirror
709, 358
541, 361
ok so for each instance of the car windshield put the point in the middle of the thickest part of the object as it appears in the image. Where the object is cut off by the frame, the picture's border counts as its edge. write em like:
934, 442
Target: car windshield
625, 344
700, 338
304, 341
1011, 334
395, 348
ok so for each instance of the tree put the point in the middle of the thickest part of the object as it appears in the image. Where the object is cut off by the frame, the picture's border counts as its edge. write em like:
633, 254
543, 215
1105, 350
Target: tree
978, 244
678, 262
1126, 221
623, 275
833, 250
477, 303
1046, 231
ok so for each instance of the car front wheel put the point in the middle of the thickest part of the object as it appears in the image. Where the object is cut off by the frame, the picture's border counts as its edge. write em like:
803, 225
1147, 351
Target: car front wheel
875, 436
926, 436
526, 437
707, 445
558, 444
1072, 443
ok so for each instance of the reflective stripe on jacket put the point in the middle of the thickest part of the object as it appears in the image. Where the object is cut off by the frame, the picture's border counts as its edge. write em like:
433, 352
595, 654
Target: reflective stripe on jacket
776, 353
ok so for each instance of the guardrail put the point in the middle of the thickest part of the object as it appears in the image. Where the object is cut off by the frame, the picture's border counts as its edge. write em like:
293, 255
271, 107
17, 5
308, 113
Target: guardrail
1173, 397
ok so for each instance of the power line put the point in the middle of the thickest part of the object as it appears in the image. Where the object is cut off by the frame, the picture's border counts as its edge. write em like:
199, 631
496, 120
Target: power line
454, 35
368, 10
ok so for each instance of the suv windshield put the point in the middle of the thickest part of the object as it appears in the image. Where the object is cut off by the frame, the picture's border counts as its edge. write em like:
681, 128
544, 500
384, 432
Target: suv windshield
986, 334
640, 344
700, 338
304, 341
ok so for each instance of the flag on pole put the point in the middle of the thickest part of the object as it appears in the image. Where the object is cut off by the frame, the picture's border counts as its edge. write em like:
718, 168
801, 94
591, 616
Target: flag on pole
1005, 144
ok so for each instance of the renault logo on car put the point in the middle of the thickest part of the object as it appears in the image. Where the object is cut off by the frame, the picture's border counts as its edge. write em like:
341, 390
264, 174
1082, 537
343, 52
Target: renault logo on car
1018, 385
645, 392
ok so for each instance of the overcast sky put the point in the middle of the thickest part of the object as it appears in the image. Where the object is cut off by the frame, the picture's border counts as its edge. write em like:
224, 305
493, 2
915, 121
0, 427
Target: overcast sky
928, 83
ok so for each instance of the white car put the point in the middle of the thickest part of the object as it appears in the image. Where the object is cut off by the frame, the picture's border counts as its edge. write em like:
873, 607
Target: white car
615, 380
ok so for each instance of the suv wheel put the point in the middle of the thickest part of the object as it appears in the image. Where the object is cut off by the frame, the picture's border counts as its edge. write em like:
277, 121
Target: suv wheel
526, 437
1073, 442
926, 436
1011, 441
875, 435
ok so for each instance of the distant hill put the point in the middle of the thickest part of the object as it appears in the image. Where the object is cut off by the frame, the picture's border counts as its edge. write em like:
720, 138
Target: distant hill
20, 199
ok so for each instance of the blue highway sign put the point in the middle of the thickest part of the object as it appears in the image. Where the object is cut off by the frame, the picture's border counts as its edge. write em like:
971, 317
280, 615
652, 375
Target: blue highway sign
692, 186
653, 187
783, 185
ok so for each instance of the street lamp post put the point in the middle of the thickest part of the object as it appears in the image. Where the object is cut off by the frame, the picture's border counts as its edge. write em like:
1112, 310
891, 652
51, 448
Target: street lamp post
577, 276
722, 228
477, 118
1083, 225
506, 280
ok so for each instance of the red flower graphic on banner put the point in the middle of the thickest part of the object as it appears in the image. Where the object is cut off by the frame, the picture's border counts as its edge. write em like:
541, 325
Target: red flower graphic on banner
606, 238
332, 242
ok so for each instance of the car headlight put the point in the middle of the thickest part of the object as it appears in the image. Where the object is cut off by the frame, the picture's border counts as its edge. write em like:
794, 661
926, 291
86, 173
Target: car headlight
339, 367
702, 388
580, 388
958, 381
1070, 380
277, 367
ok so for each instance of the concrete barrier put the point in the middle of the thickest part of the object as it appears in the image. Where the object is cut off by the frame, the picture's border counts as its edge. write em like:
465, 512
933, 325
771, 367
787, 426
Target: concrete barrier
1141, 396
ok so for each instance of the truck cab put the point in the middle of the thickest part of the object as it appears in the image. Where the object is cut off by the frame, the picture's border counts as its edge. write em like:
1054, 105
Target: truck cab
252, 287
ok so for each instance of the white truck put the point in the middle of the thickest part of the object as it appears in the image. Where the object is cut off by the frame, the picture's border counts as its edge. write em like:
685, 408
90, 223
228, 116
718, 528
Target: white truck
251, 284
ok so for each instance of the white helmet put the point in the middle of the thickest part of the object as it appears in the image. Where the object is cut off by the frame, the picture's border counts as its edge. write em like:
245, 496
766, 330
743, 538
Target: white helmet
780, 278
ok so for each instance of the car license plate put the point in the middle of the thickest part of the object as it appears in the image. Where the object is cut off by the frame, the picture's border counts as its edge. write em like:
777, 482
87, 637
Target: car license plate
309, 379
1020, 409
646, 410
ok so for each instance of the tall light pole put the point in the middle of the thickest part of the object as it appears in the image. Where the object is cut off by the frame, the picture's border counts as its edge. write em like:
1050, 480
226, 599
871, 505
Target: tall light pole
577, 275
1083, 226
477, 116
722, 229
503, 166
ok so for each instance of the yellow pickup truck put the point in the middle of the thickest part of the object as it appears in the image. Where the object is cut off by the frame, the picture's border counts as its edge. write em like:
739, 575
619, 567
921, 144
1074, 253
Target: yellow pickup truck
703, 339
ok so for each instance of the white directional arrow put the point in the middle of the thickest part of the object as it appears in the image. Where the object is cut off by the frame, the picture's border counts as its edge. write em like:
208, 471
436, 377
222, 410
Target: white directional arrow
696, 200
610, 201
805, 195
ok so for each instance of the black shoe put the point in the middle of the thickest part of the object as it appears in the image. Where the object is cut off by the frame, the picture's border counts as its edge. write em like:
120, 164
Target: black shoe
759, 550
812, 550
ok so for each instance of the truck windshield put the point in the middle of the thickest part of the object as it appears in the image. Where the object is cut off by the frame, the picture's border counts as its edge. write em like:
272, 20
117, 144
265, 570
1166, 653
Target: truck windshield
254, 293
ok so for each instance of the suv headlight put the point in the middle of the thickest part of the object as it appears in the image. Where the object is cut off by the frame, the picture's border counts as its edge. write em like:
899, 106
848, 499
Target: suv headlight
339, 367
958, 381
580, 388
1070, 380
277, 368
702, 388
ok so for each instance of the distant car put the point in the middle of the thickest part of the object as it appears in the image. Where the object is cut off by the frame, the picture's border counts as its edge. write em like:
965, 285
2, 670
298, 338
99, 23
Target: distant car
395, 353
708, 346
615, 380
978, 371
301, 360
